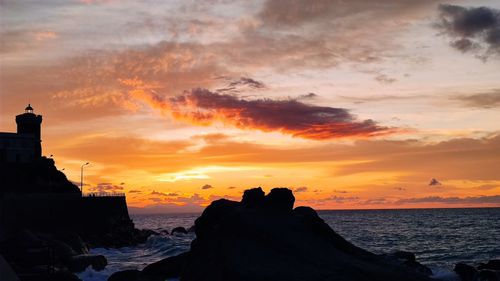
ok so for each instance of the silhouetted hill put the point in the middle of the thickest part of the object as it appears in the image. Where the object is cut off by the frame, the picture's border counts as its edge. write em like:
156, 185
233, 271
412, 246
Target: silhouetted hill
40, 176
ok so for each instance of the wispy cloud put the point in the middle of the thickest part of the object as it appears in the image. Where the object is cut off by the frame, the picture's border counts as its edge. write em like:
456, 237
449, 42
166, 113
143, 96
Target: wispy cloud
480, 100
494, 199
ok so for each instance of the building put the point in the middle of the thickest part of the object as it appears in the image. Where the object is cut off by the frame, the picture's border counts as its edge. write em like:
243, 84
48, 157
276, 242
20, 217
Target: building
25, 145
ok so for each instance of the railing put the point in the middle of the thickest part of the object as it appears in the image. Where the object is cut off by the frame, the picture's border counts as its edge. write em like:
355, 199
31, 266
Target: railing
104, 194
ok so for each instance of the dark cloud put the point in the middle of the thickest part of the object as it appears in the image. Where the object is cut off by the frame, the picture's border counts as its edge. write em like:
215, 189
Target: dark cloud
480, 100
207, 186
239, 85
400, 188
231, 187
200, 106
307, 96
135, 191
464, 45
300, 189
434, 182
495, 199
471, 28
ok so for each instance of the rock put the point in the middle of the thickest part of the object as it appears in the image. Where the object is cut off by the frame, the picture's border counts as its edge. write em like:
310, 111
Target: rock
252, 197
272, 242
64, 275
280, 198
126, 275
492, 264
179, 229
403, 256
74, 241
80, 262
465, 272
408, 259
489, 275
170, 267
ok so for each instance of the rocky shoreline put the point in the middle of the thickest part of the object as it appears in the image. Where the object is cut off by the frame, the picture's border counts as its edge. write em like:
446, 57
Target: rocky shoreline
263, 237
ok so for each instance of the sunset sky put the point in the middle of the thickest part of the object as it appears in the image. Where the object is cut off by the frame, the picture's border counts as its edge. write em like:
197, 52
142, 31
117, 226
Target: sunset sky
351, 104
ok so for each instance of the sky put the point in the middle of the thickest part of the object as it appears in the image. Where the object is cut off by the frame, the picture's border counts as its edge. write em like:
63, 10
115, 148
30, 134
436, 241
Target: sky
355, 104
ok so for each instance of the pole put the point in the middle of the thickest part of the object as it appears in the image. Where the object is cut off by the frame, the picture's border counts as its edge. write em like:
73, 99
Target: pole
81, 178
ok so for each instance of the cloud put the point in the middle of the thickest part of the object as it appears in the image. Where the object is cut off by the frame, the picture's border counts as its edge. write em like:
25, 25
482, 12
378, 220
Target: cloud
232, 187
241, 84
471, 28
494, 199
207, 186
480, 100
375, 201
106, 187
289, 116
434, 182
307, 96
400, 188
384, 79
300, 189
170, 194
135, 191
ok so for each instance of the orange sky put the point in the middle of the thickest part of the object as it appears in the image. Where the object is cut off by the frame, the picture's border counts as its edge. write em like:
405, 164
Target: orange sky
352, 104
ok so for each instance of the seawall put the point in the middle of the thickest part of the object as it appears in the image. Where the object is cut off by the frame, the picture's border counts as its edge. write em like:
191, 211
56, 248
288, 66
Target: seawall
45, 211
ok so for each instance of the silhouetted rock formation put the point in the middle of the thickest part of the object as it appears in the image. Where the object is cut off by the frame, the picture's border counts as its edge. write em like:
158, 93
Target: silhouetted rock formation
264, 238
39, 176
489, 271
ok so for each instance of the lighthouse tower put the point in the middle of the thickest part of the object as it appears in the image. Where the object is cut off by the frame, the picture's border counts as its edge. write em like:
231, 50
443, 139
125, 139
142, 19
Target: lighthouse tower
30, 123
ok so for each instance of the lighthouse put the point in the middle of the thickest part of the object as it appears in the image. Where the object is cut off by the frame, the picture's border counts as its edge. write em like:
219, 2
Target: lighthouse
29, 123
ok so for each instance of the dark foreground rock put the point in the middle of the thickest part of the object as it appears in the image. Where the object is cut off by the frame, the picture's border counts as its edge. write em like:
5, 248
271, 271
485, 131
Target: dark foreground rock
263, 238
489, 271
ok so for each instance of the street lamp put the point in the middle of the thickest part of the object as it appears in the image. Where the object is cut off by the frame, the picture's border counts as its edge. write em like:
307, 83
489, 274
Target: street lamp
81, 177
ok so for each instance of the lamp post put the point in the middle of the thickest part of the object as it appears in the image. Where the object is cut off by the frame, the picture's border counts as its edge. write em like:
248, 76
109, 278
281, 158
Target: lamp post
81, 177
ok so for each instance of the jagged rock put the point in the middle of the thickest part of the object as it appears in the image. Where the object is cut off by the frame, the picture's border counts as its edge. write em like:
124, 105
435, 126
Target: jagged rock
179, 229
252, 197
491, 264
465, 272
166, 268
80, 262
280, 198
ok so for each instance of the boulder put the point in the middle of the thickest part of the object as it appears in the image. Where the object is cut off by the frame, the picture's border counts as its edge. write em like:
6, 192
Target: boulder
491, 264
280, 198
80, 262
465, 272
179, 229
489, 275
252, 197
170, 267
270, 241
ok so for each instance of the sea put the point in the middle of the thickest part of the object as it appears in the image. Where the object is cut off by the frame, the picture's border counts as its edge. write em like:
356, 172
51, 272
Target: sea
439, 238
